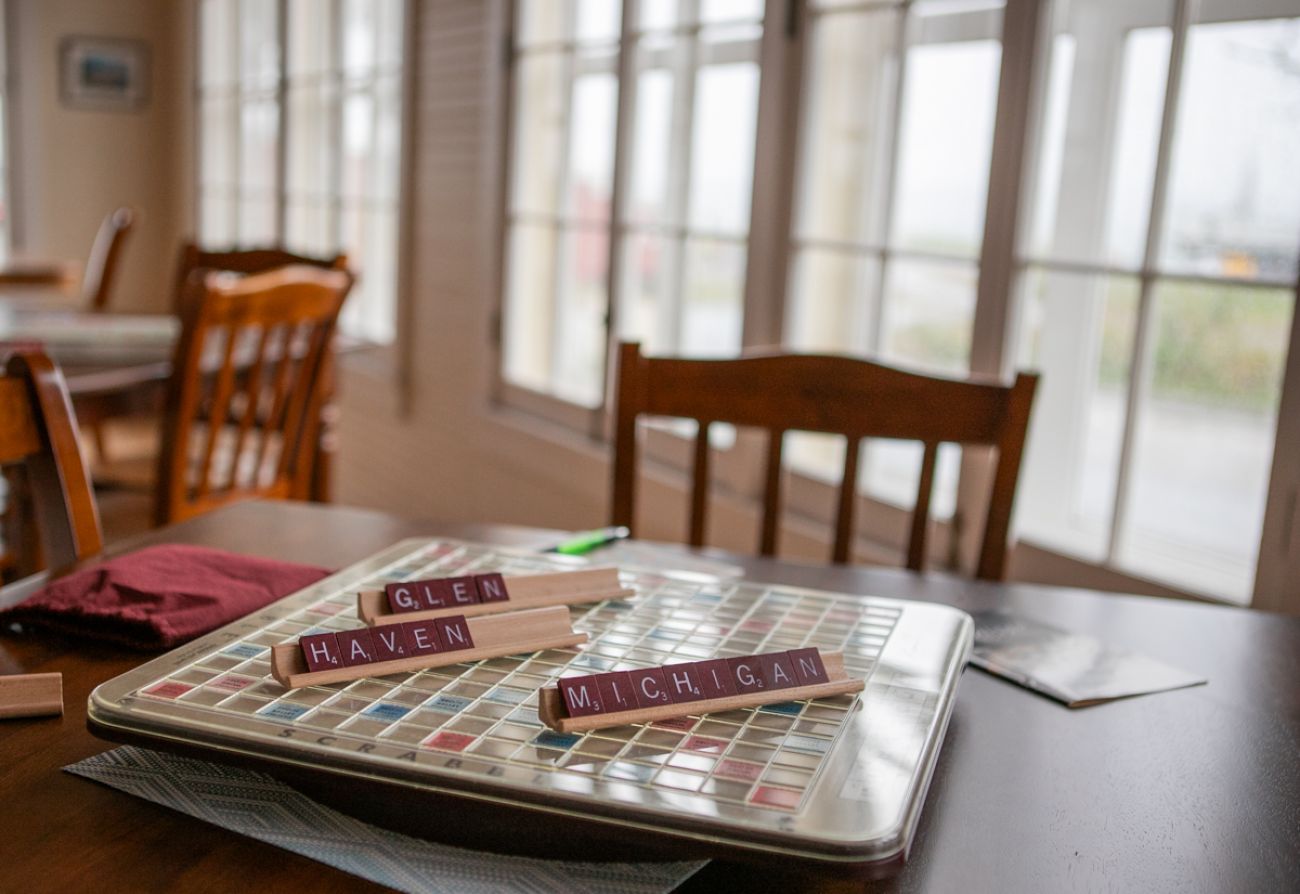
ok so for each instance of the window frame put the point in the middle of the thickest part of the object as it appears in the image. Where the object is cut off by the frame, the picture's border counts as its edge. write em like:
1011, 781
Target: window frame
1002, 261
335, 199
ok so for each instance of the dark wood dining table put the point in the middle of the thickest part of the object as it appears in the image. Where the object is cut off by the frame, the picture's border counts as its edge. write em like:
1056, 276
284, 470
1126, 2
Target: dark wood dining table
1192, 790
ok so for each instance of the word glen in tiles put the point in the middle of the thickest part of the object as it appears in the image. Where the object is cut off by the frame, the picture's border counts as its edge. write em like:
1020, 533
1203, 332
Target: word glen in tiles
326, 651
446, 592
675, 684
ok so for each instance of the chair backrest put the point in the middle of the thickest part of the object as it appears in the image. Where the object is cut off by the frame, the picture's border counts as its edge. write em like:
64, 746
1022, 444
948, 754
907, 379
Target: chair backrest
245, 398
50, 515
837, 395
251, 260
106, 257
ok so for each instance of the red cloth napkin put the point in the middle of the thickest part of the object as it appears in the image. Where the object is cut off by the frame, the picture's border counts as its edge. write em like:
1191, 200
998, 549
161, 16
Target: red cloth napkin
161, 596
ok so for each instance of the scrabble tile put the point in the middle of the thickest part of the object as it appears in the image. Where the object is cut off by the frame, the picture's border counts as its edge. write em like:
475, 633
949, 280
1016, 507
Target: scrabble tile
434, 593
461, 591
491, 587
616, 691
715, 678
454, 633
581, 695
421, 638
683, 683
389, 642
746, 674
808, 665
321, 651
355, 647
403, 597
649, 687
778, 670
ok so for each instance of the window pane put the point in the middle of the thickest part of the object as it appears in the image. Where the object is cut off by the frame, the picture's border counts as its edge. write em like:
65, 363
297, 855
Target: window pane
731, 10
591, 147
1077, 333
658, 116
929, 308
597, 21
543, 21
391, 29
256, 220
1101, 126
217, 46
1205, 437
309, 227
832, 310
949, 98
648, 313
722, 151
311, 143
371, 308
311, 38
712, 298
530, 305
216, 218
259, 141
358, 37
1234, 193
358, 131
845, 141
217, 147
387, 159
539, 126
259, 46
580, 315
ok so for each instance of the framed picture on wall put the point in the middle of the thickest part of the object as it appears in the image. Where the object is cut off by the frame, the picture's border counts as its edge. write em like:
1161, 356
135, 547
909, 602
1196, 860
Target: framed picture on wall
104, 73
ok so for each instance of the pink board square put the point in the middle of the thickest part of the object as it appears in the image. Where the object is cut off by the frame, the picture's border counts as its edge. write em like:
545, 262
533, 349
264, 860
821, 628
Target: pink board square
681, 724
168, 689
649, 687
449, 741
746, 674
616, 691
780, 798
683, 683
421, 637
390, 643
355, 647
778, 670
582, 695
715, 678
491, 587
454, 633
404, 597
808, 665
321, 651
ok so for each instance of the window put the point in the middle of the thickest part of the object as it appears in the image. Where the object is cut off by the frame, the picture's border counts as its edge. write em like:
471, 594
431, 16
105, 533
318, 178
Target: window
1155, 261
6, 206
300, 107
1158, 285
671, 266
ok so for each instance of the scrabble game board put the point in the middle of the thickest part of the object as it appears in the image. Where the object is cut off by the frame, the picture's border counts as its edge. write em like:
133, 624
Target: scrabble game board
836, 780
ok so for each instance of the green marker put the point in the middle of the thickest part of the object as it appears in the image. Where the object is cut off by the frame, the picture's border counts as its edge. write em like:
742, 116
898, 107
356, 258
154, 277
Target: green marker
582, 543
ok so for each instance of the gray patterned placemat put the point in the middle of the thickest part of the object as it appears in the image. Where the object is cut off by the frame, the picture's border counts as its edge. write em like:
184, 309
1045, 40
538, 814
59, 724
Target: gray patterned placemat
261, 807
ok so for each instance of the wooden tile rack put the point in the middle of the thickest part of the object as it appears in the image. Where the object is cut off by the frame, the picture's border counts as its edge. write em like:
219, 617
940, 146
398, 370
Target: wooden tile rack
508, 634
552, 711
31, 695
524, 591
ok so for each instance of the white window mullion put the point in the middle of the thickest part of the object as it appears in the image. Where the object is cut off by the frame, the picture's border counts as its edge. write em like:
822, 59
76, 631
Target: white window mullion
1143, 362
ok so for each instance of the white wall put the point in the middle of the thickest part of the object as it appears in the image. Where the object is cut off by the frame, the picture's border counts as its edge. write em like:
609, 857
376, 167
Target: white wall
74, 166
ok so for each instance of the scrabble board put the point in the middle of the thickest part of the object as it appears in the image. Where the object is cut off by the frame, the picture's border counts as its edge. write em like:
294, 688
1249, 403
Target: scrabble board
839, 781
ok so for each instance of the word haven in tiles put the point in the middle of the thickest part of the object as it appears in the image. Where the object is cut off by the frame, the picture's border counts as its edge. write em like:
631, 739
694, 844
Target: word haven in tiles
478, 720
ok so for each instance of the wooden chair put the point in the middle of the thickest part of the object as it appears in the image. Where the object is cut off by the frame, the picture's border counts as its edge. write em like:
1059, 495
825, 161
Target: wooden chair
244, 404
105, 258
50, 514
837, 395
251, 260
